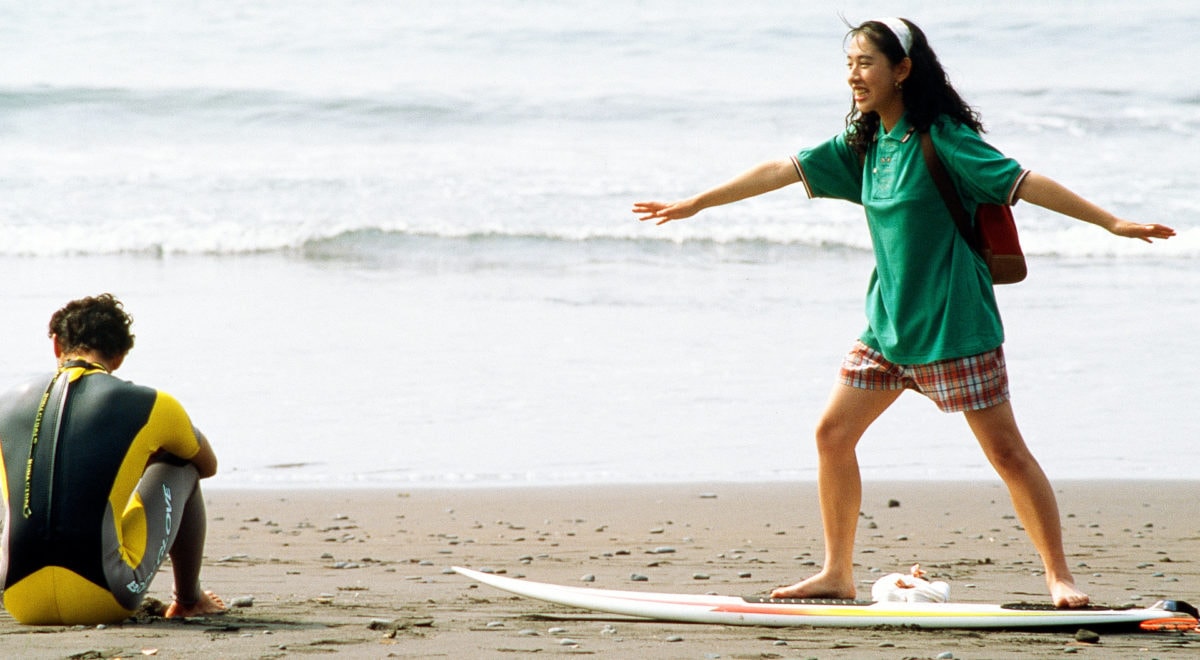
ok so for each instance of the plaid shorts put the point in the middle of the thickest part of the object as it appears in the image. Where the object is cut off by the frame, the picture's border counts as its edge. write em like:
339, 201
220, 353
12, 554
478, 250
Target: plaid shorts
957, 385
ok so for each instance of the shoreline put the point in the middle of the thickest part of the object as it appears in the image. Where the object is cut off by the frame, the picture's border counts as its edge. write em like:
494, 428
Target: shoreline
362, 572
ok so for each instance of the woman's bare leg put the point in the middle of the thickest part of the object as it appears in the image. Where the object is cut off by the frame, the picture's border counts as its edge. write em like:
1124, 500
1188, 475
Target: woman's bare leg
1032, 496
839, 485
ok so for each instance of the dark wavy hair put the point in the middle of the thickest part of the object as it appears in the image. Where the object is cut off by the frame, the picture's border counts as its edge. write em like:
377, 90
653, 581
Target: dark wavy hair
96, 323
927, 91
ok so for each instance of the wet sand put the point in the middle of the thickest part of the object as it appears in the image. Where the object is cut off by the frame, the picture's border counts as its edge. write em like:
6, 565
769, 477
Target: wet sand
364, 573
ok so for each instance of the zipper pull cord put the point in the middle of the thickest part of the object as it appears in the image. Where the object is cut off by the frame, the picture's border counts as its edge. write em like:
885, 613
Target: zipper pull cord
26, 510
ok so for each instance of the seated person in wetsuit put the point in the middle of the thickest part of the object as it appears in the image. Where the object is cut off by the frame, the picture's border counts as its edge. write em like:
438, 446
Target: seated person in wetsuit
100, 480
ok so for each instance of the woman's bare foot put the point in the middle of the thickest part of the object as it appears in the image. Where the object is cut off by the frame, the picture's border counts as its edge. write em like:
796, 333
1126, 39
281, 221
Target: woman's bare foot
818, 586
1067, 596
209, 603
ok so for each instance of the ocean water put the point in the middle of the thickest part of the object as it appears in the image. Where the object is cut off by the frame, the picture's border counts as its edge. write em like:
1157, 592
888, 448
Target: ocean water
385, 243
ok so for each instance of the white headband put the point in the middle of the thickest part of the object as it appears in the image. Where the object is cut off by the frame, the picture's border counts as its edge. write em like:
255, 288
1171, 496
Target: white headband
900, 29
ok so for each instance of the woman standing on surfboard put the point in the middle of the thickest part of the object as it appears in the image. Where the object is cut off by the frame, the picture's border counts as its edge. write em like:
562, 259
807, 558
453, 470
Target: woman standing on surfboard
933, 323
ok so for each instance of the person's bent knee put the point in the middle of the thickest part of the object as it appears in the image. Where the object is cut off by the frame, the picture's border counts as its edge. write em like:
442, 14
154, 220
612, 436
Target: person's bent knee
834, 437
1011, 457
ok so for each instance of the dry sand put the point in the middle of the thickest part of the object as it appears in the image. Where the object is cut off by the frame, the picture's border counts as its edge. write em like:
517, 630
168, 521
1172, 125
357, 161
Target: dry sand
362, 573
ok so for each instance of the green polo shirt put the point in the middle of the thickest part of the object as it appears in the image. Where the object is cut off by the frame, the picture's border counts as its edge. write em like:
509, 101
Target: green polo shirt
930, 295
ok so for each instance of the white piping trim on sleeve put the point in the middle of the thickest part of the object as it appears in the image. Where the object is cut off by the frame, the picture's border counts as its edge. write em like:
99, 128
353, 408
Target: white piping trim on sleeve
1012, 193
800, 173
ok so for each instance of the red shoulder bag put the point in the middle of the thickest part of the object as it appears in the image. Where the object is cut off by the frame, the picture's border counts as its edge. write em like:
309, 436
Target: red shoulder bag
994, 235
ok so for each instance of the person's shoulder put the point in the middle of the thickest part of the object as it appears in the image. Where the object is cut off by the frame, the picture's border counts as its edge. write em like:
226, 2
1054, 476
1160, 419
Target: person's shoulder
119, 384
31, 384
160, 396
23, 386
14, 396
110, 390
949, 127
120, 387
952, 136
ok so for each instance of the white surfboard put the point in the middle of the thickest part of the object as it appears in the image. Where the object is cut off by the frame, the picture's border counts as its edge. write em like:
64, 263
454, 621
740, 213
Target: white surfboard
734, 610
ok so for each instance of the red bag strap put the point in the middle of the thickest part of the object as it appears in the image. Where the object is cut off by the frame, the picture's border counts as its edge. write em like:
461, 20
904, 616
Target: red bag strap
946, 188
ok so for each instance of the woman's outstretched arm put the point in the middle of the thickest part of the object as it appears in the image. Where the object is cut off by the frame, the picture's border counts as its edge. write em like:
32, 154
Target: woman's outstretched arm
1050, 194
762, 178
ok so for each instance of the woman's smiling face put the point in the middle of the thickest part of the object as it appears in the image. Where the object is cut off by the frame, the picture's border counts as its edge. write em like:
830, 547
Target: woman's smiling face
874, 81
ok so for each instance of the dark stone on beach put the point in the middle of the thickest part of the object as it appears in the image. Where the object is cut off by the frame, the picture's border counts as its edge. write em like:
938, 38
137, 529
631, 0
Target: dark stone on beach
1087, 636
382, 624
150, 607
893, 504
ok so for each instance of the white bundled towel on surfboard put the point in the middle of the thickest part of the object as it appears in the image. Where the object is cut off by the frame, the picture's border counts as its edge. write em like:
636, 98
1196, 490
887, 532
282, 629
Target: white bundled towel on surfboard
911, 588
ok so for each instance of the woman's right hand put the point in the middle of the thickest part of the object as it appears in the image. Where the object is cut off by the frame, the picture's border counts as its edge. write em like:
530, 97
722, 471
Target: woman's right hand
664, 212
762, 178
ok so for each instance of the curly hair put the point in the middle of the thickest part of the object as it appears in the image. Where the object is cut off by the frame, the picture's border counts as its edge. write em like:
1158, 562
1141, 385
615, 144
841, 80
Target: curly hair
927, 91
97, 324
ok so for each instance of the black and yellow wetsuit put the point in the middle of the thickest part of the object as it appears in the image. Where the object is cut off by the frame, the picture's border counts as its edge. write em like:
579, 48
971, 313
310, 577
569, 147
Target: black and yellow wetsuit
84, 532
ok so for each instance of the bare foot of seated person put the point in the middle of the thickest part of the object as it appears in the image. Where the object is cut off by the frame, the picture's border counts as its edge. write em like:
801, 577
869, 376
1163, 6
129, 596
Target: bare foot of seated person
208, 603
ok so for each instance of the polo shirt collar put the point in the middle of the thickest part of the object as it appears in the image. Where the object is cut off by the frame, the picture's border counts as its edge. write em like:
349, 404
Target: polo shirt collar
901, 132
